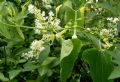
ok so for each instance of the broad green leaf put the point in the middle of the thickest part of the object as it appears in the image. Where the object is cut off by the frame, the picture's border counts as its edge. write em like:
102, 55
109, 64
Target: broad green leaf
69, 54
20, 32
4, 30
66, 49
18, 1
29, 66
100, 64
68, 3
13, 73
115, 73
43, 70
77, 3
44, 54
3, 78
94, 40
47, 64
48, 61
116, 59
116, 55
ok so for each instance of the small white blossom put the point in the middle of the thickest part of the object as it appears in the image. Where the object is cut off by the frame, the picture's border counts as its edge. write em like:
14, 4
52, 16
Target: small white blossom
27, 55
51, 14
111, 33
43, 13
96, 0
36, 45
38, 25
89, 1
47, 3
31, 8
56, 24
113, 20
104, 32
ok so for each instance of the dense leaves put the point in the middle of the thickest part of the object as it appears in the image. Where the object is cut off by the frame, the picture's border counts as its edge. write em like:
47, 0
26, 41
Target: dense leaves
99, 63
59, 40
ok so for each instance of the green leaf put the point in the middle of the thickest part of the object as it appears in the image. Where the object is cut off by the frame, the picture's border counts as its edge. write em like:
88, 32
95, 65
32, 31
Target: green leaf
44, 54
107, 6
57, 9
43, 70
4, 30
100, 64
46, 66
116, 59
68, 3
67, 47
69, 54
3, 78
20, 33
115, 73
29, 66
18, 1
48, 61
13, 73
116, 55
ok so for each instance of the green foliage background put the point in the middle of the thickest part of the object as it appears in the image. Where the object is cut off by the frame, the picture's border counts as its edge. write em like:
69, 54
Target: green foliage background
67, 59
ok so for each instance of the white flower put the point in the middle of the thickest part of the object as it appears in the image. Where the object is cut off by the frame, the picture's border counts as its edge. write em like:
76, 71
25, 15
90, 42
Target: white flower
96, 0
56, 24
47, 6
113, 20
89, 1
51, 14
38, 25
43, 13
28, 55
47, 3
104, 32
31, 8
110, 19
37, 45
36, 48
111, 33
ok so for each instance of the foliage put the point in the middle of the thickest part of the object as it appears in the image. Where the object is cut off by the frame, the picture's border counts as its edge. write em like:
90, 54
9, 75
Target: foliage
59, 40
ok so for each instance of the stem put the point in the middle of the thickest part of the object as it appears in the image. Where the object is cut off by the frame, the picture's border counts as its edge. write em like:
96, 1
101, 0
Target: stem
29, 26
76, 16
5, 56
75, 23
100, 45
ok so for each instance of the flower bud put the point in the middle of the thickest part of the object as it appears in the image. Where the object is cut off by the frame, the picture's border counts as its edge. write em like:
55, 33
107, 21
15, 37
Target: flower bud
74, 36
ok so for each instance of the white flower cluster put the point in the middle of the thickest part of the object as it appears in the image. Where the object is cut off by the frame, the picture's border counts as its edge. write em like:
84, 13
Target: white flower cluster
113, 20
47, 3
90, 1
111, 33
43, 22
36, 47
54, 22
31, 8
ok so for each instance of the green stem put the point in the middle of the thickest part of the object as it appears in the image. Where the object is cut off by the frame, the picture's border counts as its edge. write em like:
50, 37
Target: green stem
5, 55
75, 23
29, 26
